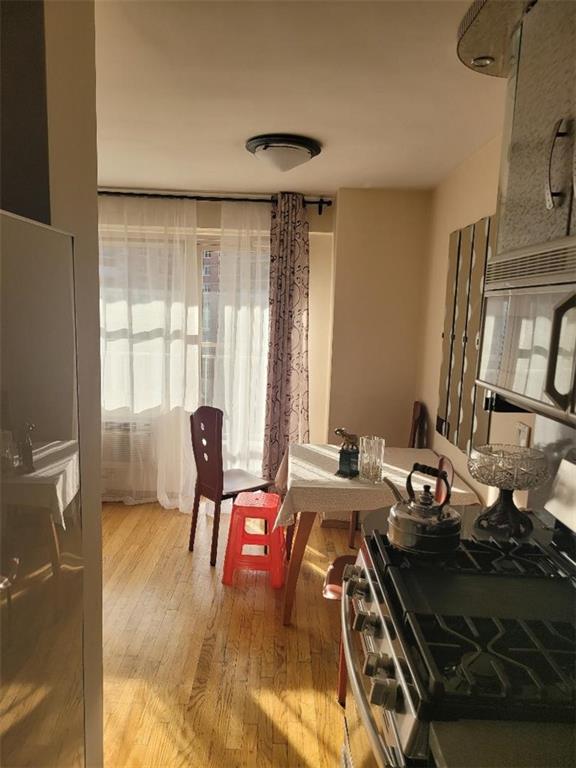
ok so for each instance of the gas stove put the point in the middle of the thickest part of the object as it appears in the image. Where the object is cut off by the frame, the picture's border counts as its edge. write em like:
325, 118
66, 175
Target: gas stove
487, 633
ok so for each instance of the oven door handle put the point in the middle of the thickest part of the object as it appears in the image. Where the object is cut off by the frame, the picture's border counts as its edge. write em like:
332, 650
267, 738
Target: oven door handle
383, 756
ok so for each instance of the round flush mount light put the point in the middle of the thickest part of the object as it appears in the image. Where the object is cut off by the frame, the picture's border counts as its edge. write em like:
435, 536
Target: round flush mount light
283, 151
481, 62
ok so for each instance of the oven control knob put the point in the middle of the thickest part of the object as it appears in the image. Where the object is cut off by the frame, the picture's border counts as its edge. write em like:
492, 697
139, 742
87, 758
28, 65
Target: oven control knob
378, 662
350, 571
357, 587
384, 692
366, 622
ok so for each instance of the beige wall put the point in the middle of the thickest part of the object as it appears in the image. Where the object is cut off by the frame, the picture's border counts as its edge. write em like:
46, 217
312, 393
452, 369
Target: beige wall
381, 248
320, 332
71, 96
466, 195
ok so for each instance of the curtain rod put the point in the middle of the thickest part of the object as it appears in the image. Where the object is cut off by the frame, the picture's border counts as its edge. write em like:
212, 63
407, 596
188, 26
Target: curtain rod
321, 202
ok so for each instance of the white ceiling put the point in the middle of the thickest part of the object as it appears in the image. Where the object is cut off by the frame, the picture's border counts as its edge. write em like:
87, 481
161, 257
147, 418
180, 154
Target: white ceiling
182, 85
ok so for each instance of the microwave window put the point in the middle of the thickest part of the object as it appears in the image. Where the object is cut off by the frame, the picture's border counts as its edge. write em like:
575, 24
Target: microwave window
517, 341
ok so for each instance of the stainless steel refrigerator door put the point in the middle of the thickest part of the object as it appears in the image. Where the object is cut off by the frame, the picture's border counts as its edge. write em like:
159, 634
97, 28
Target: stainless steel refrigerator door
41, 564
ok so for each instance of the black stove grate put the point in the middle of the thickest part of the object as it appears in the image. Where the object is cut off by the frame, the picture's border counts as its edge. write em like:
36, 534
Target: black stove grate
510, 559
476, 556
488, 667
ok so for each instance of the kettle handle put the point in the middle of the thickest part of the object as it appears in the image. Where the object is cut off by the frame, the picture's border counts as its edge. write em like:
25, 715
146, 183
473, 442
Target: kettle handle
424, 469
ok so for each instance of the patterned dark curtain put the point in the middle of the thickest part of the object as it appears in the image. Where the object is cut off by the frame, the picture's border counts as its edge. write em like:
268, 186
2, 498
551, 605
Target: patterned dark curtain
287, 390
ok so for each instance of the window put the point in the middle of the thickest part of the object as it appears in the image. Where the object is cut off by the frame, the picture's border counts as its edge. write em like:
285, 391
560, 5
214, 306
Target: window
209, 258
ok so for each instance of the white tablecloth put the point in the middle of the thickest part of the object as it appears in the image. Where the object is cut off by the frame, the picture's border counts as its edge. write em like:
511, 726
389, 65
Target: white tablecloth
53, 484
308, 478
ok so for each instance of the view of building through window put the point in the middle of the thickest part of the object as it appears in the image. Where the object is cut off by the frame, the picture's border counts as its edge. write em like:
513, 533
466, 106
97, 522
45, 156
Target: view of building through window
210, 261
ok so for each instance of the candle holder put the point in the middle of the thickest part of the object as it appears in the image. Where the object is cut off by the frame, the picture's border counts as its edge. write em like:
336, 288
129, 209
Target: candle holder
509, 468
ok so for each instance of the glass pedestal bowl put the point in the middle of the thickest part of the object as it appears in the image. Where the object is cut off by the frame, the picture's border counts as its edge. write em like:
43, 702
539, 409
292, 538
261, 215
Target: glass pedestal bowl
509, 468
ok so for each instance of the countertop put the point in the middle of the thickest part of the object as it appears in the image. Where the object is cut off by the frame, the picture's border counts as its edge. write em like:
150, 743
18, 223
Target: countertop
498, 744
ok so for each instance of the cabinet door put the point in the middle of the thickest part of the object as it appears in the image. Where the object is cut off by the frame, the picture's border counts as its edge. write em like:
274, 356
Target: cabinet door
536, 181
573, 219
442, 425
473, 421
459, 349
461, 416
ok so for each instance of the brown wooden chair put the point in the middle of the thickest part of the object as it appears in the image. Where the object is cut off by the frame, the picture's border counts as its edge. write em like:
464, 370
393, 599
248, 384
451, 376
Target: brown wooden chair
417, 439
212, 481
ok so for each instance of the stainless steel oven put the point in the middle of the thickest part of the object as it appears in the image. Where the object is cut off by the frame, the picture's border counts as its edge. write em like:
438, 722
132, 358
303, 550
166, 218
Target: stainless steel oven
365, 745
379, 720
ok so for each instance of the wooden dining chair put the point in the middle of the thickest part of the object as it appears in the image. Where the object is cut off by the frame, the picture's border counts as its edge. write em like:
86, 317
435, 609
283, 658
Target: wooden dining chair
417, 439
418, 425
212, 481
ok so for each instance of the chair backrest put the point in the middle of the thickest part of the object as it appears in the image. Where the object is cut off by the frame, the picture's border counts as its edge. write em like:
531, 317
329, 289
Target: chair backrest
206, 430
445, 464
418, 426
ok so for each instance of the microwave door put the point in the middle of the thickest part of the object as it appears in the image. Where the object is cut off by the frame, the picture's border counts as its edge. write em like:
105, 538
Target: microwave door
529, 343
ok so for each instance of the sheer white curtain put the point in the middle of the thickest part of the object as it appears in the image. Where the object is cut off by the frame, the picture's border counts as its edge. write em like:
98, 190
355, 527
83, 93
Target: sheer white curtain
240, 369
149, 316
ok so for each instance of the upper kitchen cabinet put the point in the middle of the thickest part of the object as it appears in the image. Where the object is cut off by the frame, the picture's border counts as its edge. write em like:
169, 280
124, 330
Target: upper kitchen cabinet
536, 186
461, 417
528, 347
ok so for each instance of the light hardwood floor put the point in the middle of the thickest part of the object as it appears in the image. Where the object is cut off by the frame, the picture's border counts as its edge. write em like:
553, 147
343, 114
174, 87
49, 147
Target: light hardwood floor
198, 674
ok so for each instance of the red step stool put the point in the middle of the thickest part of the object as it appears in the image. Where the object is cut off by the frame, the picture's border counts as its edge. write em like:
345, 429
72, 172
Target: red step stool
260, 506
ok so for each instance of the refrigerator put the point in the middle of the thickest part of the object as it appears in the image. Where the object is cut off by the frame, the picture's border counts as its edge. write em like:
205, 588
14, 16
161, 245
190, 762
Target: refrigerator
41, 560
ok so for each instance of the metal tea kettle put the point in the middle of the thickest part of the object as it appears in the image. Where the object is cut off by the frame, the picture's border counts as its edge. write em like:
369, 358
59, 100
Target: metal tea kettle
421, 525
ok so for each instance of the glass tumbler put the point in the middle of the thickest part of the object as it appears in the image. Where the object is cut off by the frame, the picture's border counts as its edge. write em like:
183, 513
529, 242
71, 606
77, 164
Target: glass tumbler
378, 450
365, 456
372, 458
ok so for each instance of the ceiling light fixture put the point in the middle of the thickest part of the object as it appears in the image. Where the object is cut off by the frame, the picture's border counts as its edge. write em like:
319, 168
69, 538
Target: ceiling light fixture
283, 151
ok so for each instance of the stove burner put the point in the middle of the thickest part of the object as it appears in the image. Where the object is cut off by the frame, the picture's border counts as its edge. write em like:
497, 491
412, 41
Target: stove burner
508, 667
511, 559
490, 557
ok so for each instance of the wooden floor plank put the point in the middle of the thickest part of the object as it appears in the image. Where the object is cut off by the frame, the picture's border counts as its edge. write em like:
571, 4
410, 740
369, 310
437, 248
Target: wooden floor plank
198, 674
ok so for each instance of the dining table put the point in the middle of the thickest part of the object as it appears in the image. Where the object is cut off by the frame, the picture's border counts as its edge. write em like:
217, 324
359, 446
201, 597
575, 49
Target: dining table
48, 491
310, 487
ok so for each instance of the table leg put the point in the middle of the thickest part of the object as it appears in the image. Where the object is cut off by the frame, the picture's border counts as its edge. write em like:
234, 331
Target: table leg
305, 523
289, 540
55, 559
352, 529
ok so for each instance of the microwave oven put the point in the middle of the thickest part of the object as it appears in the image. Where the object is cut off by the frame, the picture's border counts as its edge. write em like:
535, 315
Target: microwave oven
528, 352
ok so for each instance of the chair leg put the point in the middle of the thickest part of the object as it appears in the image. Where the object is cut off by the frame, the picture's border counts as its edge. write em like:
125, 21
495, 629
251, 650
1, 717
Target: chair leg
234, 542
352, 529
215, 528
342, 676
194, 522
